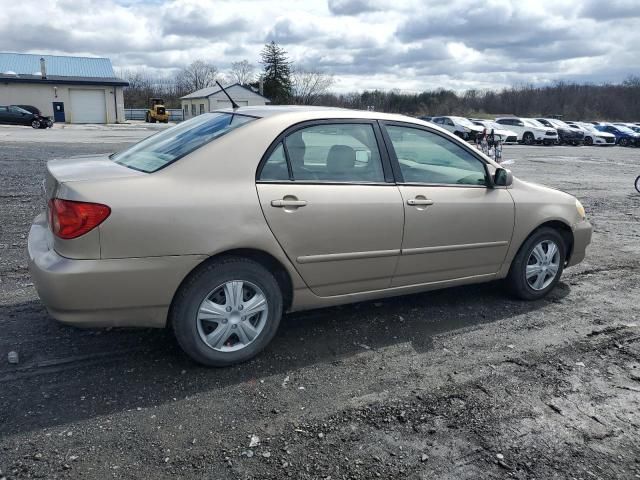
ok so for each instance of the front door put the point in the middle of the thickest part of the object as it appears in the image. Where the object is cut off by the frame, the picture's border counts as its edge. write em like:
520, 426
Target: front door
327, 194
455, 225
58, 112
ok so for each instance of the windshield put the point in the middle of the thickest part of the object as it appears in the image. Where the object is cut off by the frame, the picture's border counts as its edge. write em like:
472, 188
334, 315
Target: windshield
533, 123
166, 147
558, 123
18, 109
464, 122
624, 129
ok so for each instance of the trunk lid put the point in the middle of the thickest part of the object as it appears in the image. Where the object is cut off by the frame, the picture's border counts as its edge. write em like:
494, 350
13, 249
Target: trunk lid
85, 168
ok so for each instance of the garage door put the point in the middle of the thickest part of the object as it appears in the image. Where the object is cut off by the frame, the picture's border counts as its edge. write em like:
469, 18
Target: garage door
87, 106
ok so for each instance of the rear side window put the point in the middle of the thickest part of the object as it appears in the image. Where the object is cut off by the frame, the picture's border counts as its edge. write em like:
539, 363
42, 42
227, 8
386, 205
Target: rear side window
341, 152
335, 153
170, 145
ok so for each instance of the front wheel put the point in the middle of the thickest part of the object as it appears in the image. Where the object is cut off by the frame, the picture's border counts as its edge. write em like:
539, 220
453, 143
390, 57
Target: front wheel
588, 141
227, 312
538, 265
623, 142
528, 138
35, 124
638, 183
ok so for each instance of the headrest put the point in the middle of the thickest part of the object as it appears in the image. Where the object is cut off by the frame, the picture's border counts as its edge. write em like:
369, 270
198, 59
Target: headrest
341, 159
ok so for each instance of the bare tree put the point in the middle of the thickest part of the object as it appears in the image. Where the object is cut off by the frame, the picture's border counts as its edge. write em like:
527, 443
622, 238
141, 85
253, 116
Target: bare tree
310, 86
242, 72
197, 75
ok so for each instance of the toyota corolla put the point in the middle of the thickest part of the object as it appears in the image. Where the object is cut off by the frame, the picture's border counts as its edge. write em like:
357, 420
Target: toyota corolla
217, 226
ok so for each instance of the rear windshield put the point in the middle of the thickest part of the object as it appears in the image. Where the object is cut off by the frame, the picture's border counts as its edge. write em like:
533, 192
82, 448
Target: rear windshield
166, 147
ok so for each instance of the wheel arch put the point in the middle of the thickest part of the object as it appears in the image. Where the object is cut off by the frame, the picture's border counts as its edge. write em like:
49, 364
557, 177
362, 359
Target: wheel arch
268, 261
562, 228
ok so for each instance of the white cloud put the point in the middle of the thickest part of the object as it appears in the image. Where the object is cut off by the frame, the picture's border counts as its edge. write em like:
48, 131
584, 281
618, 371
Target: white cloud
407, 44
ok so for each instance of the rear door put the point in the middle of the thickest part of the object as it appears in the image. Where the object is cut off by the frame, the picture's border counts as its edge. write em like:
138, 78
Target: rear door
455, 226
327, 193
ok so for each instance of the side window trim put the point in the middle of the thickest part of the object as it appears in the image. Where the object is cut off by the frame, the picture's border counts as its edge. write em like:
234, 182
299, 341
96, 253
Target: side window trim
387, 166
395, 164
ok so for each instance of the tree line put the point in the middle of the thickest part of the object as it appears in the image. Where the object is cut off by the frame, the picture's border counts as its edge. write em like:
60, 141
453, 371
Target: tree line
284, 83
278, 79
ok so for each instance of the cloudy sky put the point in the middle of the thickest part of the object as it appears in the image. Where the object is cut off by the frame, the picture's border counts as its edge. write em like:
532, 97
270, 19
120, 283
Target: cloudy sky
410, 45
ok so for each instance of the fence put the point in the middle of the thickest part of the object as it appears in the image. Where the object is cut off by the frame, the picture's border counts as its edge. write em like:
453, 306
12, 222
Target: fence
175, 114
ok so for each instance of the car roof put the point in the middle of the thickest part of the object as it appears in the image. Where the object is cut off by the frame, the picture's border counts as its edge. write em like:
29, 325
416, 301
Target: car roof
302, 113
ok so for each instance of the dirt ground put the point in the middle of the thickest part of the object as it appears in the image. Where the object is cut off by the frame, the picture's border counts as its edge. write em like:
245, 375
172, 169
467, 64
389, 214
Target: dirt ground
455, 384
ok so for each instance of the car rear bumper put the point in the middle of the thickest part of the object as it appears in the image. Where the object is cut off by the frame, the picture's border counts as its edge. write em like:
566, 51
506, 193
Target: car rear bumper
581, 239
132, 292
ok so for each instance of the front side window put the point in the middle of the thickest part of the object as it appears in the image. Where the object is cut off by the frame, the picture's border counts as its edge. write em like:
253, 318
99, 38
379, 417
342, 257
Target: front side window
335, 153
169, 145
426, 157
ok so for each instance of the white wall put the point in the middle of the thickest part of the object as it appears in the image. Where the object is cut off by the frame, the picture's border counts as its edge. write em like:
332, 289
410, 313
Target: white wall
240, 95
43, 95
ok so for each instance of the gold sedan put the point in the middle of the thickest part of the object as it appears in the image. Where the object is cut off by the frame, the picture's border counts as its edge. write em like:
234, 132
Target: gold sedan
217, 226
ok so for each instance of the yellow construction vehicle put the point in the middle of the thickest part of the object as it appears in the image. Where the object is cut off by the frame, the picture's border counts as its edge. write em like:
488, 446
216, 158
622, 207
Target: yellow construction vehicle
157, 112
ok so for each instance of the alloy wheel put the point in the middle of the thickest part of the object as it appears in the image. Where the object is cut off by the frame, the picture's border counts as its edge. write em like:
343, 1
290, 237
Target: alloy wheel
542, 265
232, 316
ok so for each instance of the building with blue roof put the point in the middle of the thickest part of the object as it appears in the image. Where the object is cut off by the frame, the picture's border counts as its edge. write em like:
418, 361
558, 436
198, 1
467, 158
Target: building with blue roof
67, 89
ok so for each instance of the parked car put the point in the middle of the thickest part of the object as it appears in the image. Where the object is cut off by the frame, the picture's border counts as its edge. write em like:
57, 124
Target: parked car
317, 207
505, 135
459, 126
566, 135
530, 131
47, 122
593, 136
426, 118
12, 115
632, 126
625, 137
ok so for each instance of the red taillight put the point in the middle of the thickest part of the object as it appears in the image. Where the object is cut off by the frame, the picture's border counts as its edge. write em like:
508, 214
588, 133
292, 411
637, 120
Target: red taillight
70, 219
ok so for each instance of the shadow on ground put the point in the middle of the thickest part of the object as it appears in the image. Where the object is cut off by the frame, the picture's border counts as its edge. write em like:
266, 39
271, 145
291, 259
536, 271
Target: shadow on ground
68, 374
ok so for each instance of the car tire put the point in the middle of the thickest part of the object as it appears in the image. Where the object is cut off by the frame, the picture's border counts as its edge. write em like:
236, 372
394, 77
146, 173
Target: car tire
528, 138
522, 282
588, 141
623, 142
206, 291
35, 124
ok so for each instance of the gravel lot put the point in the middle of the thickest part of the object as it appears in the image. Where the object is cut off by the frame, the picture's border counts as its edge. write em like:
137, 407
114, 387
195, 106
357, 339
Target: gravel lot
459, 383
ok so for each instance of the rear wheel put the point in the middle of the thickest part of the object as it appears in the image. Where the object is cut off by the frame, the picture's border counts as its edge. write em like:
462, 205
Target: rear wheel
638, 183
227, 312
528, 138
538, 265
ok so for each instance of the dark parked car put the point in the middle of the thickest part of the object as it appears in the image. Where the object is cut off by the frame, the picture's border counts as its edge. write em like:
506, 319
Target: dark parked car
566, 134
48, 122
14, 115
625, 137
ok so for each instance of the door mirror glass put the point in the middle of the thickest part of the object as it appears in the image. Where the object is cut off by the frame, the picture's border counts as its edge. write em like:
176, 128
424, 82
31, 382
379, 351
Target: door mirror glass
503, 177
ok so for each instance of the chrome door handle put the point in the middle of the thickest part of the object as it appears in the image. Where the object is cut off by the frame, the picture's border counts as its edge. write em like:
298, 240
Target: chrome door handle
419, 201
288, 203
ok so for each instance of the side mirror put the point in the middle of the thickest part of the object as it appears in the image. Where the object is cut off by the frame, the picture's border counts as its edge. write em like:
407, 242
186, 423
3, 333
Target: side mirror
503, 177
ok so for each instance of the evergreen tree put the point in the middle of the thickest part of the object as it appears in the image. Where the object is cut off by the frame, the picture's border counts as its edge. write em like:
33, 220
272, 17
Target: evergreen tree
277, 73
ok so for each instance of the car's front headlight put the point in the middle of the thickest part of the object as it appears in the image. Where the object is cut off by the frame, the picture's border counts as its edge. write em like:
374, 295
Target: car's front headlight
581, 213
